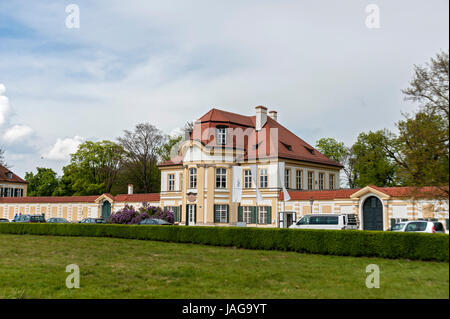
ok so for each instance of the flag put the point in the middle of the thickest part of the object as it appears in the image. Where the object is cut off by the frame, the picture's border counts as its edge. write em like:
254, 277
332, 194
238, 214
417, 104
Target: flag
281, 172
237, 184
253, 170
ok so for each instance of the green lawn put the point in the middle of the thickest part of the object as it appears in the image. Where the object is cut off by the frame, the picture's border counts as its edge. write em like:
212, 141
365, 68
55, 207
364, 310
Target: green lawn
34, 267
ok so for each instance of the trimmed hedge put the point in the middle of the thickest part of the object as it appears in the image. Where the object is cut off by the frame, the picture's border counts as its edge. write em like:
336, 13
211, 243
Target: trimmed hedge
327, 242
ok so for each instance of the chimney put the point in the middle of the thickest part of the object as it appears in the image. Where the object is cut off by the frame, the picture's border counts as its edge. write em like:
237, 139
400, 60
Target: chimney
130, 189
273, 115
261, 117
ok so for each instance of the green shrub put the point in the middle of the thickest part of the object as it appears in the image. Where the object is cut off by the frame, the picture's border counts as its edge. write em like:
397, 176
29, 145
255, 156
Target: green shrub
331, 242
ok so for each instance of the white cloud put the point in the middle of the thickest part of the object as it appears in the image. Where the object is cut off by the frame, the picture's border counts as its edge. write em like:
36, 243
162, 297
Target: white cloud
4, 104
63, 148
16, 133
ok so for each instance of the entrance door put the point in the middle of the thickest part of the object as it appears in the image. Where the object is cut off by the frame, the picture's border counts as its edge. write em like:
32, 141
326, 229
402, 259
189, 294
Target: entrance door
289, 219
106, 210
191, 217
372, 214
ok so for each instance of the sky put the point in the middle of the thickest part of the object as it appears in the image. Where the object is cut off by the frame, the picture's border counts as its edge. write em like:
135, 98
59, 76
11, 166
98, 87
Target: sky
167, 62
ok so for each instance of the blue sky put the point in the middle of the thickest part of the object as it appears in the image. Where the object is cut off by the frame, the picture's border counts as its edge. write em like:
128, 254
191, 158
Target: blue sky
168, 62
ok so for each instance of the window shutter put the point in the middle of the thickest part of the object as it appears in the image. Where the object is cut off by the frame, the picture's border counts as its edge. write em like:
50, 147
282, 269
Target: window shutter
195, 214
269, 215
392, 222
216, 214
180, 212
254, 215
228, 213
240, 217
187, 215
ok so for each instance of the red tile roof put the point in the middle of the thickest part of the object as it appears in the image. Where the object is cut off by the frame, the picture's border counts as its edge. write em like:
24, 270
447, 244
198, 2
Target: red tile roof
288, 145
14, 178
133, 198
401, 192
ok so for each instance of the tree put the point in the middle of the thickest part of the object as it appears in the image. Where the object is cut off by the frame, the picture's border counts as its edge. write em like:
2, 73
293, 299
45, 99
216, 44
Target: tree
422, 150
141, 148
2, 158
165, 152
339, 152
43, 183
93, 168
371, 163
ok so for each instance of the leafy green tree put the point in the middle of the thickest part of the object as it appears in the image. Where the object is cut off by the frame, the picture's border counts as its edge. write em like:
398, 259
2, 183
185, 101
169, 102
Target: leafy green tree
371, 163
422, 149
43, 183
165, 152
93, 168
339, 152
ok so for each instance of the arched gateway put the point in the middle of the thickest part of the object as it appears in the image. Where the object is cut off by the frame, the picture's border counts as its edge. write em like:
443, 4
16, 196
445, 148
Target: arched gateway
372, 214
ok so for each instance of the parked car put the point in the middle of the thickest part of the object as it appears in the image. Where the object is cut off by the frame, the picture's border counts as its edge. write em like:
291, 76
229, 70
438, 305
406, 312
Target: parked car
92, 221
419, 226
4, 220
57, 220
327, 221
30, 219
153, 221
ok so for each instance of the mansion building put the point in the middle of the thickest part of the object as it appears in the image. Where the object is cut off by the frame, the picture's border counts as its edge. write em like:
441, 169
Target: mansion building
238, 170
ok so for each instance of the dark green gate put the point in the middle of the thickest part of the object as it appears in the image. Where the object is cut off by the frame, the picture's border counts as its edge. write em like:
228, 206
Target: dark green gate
106, 210
372, 214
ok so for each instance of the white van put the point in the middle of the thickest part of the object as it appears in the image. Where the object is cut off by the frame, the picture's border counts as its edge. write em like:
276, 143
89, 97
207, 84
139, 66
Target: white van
327, 221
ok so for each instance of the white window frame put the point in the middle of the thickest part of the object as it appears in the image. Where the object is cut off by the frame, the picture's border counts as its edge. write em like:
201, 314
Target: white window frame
287, 178
193, 177
221, 135
310, 180
221, 177
171, 179
222, 209
247, 179
331, 181
247, 214
262, 214
263, 179
299, 179
321, 181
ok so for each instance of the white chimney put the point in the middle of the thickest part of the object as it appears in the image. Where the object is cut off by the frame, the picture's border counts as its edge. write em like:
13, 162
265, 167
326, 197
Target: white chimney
261, 117
273, 115
130, 189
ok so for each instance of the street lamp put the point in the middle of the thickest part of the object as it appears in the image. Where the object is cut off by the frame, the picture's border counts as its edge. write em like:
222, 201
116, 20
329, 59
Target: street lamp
311, 202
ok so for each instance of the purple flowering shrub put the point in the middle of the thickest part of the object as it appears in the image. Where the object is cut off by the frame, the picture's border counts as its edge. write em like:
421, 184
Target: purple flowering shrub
129, 215
156, 212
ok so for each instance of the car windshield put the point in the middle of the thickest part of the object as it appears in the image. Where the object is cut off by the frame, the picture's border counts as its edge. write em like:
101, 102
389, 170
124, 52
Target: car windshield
398, 226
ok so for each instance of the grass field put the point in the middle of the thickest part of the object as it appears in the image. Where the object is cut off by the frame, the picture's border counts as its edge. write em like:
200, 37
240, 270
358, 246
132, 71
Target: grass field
34, 267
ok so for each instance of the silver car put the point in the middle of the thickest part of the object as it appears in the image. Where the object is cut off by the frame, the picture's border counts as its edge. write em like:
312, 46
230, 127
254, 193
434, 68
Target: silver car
419, 226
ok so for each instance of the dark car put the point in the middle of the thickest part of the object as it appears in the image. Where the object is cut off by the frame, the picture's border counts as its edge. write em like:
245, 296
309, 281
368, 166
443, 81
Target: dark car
153, 221
30, 219
4, 220
57, 220
92, 221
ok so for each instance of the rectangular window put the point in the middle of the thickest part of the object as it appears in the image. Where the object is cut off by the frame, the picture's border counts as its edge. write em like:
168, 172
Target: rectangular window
299, 179
221, 214
310, 180
181, 182
221, 178
263, 178
221, 134
193, 178
171, 182
321, 180
287, 178
262, 214
331, 181
247, 178
247, 214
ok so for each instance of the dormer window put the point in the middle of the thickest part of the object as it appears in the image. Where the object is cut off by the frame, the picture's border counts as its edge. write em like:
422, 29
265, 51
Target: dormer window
9, 174
311, 150
221, 135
